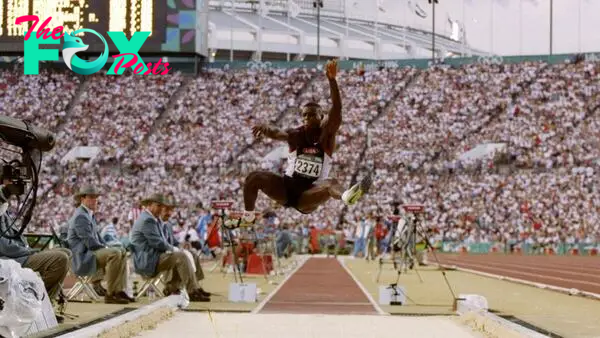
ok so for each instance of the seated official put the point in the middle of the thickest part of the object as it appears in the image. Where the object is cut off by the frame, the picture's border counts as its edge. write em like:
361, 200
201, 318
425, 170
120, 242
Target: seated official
167, 211
152, 254
63, 235
91, 256
52, 265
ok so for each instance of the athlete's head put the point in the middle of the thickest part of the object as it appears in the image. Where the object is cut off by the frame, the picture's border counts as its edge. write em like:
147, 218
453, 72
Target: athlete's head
311, 115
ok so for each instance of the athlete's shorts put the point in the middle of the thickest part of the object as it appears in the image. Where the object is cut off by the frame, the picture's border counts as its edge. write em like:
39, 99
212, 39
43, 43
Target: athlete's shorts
294, 188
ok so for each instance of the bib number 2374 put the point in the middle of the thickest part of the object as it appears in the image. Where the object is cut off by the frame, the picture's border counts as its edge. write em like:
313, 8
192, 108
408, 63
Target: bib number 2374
308, 168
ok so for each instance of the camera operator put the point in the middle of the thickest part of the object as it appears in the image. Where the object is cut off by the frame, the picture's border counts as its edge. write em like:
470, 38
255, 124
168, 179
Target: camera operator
52, 265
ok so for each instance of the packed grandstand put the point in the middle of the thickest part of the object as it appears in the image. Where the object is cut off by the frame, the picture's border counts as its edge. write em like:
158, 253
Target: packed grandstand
190, 136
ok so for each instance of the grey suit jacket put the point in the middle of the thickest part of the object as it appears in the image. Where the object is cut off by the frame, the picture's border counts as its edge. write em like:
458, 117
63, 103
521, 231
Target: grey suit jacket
18, 248
83, 240
147, 243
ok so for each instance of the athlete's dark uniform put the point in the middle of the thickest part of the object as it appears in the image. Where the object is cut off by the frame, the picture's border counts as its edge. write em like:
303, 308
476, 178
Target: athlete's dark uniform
307, 163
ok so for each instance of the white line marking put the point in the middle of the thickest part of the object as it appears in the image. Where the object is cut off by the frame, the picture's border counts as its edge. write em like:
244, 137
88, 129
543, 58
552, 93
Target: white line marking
323, 303
315, 256
529, 267
269, 296
494, 266
371, 300
526, 282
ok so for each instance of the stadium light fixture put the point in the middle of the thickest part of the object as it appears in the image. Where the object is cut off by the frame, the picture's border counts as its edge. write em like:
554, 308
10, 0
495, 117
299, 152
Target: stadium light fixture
318, 5
433, 3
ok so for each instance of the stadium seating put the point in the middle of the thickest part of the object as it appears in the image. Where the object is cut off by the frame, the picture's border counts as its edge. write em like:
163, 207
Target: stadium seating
191, 137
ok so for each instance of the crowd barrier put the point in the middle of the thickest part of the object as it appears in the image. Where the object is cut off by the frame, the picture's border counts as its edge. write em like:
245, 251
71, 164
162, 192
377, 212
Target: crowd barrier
585, 249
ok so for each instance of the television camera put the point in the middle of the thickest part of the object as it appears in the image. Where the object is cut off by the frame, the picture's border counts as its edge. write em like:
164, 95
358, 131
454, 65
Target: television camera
17, 174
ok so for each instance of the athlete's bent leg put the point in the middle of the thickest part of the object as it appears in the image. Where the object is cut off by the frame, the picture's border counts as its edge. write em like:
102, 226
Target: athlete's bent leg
269, 183
312, 198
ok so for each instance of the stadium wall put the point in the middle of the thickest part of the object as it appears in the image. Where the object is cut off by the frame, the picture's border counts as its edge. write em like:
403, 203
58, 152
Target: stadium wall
561, 248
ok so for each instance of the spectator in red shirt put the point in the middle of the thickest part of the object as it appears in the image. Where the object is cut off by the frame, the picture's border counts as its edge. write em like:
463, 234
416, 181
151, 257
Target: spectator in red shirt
380, 233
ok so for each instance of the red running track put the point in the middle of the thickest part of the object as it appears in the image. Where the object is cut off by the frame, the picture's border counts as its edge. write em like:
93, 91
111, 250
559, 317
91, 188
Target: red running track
579, 272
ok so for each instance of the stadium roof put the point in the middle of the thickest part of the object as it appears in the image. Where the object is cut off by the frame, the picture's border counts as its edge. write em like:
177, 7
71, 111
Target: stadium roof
276, 32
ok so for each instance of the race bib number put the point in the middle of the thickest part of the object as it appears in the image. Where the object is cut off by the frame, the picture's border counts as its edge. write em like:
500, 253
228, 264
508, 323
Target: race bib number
308, 167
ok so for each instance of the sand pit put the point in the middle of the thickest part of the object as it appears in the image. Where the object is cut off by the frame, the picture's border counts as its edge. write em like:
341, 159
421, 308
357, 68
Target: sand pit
230, 325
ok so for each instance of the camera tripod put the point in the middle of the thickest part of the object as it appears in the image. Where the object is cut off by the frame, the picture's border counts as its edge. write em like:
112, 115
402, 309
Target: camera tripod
228, 236
395, 294
62, 306
404, 245
237, 271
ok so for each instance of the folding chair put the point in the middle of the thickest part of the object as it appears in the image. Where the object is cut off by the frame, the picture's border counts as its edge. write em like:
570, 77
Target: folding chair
84, 284
151, 283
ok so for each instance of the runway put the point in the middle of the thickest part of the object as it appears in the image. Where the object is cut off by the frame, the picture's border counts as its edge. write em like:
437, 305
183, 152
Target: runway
320, 299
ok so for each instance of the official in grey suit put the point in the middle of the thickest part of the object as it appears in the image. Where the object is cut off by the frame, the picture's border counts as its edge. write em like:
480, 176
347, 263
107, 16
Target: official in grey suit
152, 254
167, 211
90, 253
52, 265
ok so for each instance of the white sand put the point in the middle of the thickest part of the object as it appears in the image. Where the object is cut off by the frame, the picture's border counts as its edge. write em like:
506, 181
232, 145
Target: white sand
229, 325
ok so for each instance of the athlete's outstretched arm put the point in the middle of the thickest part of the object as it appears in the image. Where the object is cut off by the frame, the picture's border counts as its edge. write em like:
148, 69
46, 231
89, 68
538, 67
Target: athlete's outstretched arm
270, 132
334, 119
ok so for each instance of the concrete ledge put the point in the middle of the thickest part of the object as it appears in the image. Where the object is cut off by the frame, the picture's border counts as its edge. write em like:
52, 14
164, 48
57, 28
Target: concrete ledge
131, 323
572, 292
473, 311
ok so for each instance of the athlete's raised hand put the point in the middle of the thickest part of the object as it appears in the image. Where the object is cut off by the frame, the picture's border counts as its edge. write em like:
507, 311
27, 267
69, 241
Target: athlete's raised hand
334, 119
331, 69
259, 131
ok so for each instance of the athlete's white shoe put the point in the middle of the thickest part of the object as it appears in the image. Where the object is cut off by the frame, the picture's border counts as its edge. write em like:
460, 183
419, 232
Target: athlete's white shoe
231, 223
248, 218
352, 195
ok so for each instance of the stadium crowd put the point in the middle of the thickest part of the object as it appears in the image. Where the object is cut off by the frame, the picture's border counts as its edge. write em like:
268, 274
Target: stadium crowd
190, 138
